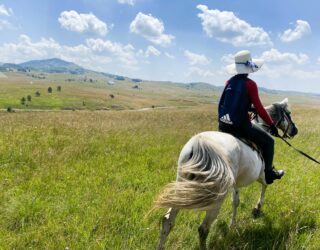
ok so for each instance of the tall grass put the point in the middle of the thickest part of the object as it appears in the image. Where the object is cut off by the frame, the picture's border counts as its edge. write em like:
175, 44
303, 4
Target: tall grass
85, 180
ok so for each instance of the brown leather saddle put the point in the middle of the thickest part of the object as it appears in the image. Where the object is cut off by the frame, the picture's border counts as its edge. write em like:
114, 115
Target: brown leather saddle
252, 145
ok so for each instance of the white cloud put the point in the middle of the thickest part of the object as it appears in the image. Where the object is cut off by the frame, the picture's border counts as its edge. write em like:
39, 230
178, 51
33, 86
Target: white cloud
130, 2
124, 54
25, 49
196, 59
95, 54
169, 55
4, 11
4, 24
274, 55
198, 72
82, 23
151, 29
302, 28
227, 59
152, 51
226, 27
289, 76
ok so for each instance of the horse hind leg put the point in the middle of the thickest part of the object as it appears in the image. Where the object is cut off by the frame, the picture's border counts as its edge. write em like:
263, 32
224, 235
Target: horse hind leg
167, 224
235, 204
256, 212
204, 228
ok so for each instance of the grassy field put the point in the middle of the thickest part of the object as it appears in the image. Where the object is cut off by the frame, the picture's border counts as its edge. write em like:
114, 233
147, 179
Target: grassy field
85, 95
81, 94
85, 180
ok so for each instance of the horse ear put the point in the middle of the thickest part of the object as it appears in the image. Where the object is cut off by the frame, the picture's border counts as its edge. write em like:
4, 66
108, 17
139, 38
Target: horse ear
285, 102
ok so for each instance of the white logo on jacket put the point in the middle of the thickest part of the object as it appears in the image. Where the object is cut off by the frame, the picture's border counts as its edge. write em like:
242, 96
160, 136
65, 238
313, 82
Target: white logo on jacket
226, 119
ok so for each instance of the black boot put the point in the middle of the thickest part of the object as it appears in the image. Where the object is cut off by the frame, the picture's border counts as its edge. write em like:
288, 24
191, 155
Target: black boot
273, 174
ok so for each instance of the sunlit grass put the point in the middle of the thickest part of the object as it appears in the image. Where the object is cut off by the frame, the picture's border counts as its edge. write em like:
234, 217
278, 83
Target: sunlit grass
85, 180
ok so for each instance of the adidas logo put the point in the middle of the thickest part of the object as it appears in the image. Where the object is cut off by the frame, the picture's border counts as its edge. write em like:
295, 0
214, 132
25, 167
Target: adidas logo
226, 119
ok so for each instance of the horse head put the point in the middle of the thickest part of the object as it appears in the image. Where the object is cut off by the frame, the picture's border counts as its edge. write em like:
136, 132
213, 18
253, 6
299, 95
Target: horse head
281, 116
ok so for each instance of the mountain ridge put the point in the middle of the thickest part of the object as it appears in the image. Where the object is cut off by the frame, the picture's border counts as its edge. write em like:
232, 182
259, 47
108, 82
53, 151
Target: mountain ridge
57, 65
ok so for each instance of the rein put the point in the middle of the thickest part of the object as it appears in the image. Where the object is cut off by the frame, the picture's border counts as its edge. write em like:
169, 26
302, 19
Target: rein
255, 117
298, 150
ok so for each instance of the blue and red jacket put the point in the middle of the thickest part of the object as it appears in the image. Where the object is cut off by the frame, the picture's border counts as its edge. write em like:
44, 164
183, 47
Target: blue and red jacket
238, 95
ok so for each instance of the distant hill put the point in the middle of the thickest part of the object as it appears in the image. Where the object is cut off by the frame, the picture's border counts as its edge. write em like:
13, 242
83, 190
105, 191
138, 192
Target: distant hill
56, 65
286, 92
204, 86
53, 65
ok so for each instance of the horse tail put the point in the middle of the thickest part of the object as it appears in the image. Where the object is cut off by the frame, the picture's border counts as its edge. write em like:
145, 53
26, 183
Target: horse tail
203, 178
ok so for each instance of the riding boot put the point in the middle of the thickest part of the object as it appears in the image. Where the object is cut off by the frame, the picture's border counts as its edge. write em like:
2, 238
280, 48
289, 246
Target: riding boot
273, 174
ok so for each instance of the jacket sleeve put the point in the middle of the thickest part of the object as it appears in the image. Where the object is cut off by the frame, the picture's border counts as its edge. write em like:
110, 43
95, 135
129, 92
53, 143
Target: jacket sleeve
255, 100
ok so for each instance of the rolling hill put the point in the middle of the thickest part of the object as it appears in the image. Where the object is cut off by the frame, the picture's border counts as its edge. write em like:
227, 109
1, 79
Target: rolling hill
87, 89
53, 65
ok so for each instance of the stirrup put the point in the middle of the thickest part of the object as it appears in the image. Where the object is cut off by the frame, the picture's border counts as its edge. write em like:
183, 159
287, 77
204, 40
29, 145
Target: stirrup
273, 174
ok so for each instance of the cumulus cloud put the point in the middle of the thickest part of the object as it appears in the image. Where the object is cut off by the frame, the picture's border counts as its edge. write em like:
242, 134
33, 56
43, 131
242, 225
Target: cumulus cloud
226, 27
169, 55
82, 23
274, 55
151, 29
152, 51
302, 28
95, 54
4, 24
130, 2
196, 59
124, 54
5, 14
196, 71
228, 58
25, 49
4, 11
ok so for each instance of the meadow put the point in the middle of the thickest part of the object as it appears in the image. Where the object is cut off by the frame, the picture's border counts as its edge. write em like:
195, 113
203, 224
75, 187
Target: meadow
87, 179
92, 92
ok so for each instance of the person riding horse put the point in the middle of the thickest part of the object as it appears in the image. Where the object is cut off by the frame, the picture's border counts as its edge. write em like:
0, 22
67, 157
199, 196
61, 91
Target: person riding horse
239, 94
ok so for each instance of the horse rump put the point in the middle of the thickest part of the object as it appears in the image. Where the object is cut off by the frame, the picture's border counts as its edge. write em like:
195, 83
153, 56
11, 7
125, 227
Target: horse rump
203, 178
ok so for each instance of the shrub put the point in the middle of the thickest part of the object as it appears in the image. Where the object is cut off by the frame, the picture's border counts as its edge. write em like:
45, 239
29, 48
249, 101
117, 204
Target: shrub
49, 90
23, 100
29, 98
59, 88
9, 109
112, 96
37, 94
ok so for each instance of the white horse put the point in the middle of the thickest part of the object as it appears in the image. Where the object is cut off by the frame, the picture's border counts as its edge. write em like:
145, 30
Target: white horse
210, 164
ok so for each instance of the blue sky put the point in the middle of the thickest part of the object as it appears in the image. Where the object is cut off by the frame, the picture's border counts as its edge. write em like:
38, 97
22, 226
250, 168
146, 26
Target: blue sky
184, 41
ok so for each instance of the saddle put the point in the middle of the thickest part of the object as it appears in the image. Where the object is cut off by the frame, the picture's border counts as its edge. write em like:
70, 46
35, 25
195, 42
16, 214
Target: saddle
252, 145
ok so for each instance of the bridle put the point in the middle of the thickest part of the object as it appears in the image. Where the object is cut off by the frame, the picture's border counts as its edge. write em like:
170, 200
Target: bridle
285, 116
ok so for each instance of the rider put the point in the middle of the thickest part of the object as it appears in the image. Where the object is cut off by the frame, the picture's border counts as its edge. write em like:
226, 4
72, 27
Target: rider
239, 94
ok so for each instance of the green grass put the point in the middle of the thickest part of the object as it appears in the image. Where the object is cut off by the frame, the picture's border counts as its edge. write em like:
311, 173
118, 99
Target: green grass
80, 95
96, 95
85, 180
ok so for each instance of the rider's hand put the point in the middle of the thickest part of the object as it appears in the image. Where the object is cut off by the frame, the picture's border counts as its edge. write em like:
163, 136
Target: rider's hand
274, 131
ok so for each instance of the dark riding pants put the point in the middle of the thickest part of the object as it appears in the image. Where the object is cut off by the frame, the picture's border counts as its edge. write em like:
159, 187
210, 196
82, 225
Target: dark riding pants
255, 134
